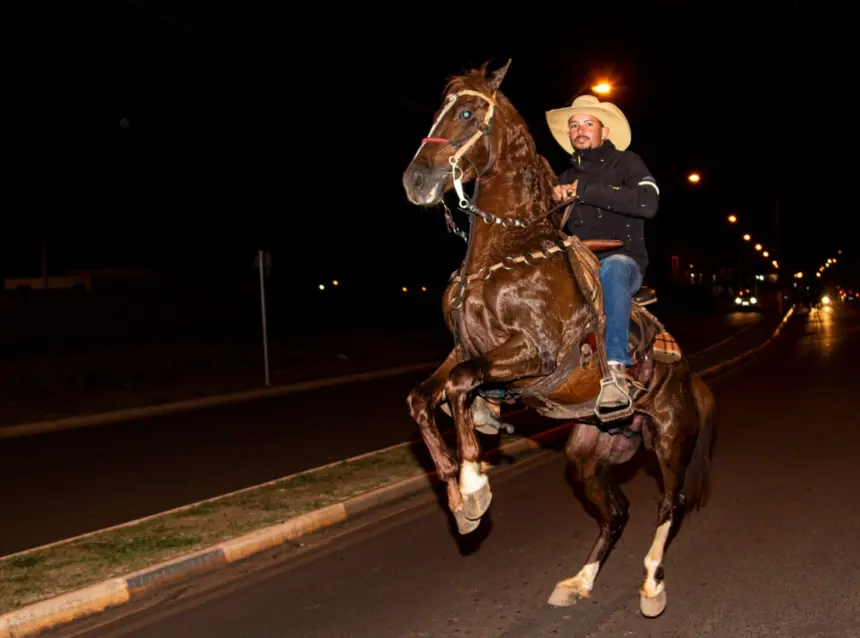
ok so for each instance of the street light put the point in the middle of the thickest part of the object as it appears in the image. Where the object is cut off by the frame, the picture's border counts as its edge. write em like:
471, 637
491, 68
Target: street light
765, 254
602, 87
747, 237
733, 219
758, 246
694, 178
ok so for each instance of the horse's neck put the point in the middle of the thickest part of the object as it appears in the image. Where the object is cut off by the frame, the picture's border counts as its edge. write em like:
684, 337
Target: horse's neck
507, 196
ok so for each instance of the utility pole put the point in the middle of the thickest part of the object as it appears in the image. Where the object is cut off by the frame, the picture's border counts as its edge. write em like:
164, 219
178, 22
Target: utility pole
262, 262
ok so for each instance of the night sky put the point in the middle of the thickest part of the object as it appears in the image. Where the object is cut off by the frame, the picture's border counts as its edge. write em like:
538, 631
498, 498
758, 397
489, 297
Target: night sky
290, 130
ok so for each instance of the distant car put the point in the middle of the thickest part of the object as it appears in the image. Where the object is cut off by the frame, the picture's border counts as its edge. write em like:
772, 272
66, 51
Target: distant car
745, 300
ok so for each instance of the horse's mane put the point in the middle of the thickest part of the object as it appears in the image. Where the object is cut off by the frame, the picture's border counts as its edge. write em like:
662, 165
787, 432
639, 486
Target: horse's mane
477, 80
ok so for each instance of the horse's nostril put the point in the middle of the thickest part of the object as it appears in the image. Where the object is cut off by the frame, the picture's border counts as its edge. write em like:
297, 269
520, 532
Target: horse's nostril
417, 178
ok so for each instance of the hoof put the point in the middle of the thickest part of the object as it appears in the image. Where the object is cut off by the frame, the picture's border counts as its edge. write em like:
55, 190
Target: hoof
565, 596
652, 607
475, 504
465, 525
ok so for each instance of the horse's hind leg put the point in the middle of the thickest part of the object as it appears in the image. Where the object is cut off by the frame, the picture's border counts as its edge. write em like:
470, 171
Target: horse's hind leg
514, 358
422, 402
682, 446
586, 450
652, 594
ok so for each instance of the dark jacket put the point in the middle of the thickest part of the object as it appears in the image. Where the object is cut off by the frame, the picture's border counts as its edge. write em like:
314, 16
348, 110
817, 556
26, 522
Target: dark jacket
615, 195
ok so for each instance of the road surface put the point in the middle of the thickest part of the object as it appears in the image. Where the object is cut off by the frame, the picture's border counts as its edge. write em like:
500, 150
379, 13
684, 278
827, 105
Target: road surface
62, 484
774, 554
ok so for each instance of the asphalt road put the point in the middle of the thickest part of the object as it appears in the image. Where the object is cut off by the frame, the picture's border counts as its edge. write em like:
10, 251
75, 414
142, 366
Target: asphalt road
773, 554
62, 484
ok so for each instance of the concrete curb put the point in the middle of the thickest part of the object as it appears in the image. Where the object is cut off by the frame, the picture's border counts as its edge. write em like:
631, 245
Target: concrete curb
89, 420
53, 612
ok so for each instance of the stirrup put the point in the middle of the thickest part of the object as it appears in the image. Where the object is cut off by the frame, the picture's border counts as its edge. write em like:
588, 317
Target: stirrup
614, 414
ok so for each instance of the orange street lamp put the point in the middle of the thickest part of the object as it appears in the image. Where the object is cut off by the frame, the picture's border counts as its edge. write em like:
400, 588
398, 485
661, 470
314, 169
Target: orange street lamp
694, 178
733, 219
747, 237
758, 246
765, 254
602, 87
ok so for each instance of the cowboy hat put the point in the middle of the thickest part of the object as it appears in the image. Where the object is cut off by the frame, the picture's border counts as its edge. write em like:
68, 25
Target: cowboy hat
606, 112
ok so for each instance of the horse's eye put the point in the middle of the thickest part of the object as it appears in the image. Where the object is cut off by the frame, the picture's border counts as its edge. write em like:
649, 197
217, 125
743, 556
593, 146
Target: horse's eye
466, 114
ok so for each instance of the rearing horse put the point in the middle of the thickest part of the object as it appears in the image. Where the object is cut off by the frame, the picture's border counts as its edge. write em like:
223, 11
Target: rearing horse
526, 313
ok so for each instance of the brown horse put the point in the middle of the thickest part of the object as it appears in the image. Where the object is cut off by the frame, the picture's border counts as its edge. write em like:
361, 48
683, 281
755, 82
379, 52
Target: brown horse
526, 313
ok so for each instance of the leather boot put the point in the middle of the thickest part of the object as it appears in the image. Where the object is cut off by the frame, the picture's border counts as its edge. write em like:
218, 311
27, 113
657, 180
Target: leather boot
614, 398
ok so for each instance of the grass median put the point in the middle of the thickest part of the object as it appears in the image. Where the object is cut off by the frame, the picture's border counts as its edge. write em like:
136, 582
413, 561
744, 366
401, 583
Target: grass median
39, 574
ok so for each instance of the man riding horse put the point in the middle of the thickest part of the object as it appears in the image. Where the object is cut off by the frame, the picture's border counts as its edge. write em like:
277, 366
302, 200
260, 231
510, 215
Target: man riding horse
614, 193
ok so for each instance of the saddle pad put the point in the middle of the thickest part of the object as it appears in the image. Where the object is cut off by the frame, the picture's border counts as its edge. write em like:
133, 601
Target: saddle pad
666, 349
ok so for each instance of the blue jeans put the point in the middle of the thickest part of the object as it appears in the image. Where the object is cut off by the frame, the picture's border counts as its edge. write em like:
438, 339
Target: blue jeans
620, 278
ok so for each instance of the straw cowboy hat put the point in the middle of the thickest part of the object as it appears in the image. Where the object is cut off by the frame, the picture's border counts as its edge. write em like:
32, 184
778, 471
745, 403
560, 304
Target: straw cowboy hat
606, 112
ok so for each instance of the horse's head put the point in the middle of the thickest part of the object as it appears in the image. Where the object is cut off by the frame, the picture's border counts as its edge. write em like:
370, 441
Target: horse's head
462, 142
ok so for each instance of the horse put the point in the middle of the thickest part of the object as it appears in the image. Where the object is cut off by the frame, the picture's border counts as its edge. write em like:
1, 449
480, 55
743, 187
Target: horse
525, 310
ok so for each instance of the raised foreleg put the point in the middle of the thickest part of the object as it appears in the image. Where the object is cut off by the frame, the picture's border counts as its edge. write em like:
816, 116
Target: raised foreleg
422, 402
514, 359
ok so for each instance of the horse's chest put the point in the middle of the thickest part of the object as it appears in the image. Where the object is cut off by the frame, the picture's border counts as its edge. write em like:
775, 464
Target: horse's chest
480, 330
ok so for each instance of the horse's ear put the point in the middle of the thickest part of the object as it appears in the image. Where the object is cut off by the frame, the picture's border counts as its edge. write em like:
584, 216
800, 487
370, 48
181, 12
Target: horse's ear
496, 77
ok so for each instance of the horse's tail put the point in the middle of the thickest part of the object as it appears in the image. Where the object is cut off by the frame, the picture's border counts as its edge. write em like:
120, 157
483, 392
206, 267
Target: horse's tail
697, 479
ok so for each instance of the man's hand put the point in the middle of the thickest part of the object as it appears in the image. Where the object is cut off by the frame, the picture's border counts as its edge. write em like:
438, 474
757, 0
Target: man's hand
565, 192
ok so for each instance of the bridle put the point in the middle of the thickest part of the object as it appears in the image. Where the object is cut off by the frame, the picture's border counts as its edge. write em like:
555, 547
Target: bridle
465, 143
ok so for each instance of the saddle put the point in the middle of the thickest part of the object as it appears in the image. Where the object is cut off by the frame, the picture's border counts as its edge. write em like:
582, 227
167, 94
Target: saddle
649, 341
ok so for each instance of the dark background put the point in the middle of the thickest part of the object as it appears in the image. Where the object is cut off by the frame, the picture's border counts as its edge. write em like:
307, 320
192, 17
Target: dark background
257, 127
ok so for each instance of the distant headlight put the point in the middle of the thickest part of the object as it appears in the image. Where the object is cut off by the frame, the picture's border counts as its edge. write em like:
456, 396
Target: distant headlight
825, 300
753, 300
738, 300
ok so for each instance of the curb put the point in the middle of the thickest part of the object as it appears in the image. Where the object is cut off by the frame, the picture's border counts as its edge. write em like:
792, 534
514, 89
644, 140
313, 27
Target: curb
89, 420
53, 612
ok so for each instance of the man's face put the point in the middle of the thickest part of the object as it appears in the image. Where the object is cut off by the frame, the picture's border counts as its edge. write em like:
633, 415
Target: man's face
586, 132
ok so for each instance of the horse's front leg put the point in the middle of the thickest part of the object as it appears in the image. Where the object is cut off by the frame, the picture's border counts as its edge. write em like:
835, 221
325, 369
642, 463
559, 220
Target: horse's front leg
422, 402
513, 359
